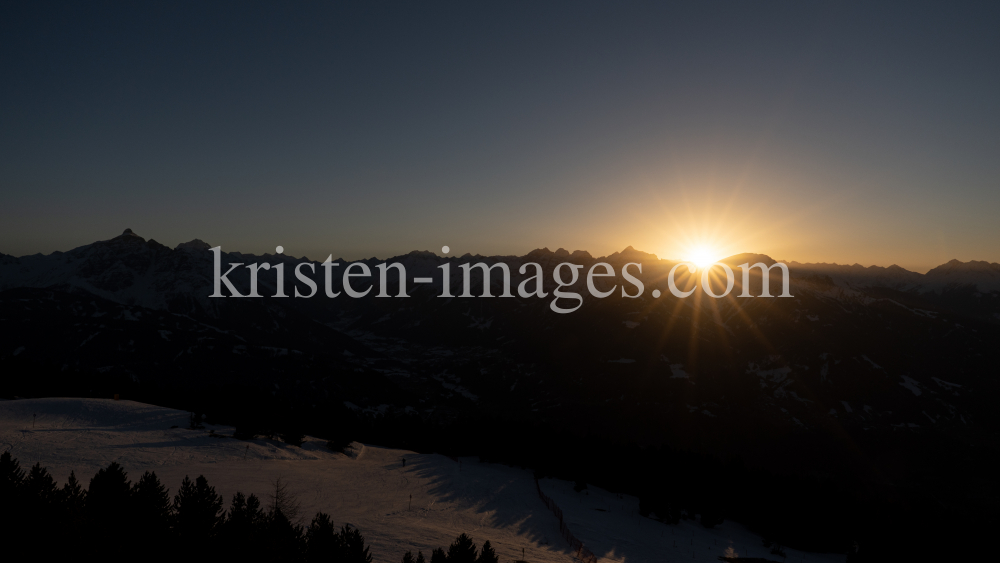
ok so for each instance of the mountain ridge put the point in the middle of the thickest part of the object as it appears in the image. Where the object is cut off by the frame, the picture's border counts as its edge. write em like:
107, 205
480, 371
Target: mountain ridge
869, 375
95, 267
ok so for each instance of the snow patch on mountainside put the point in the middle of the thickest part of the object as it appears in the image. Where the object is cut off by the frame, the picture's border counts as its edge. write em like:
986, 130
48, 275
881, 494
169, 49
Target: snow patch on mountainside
912, 384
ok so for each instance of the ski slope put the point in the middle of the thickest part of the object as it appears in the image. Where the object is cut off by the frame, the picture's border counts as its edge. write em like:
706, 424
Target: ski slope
369, 489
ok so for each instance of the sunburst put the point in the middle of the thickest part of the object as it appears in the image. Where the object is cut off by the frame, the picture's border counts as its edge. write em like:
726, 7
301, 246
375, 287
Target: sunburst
702, 256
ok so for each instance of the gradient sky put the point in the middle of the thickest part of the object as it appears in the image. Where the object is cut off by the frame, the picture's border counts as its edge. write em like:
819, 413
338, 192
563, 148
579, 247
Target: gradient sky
807, 131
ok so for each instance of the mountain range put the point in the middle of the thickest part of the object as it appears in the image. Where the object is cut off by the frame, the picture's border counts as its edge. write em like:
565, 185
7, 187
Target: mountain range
130, 269
878, 379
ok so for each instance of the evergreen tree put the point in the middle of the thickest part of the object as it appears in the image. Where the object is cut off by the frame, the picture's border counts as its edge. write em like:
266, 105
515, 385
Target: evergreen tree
420, 557
40, 487
438, 556
487, 555
244, 526
72, 496
151, 512
354, 549
11, 496
151, 500
107, 509
285, 540
462, 550
197, 512
42, 510
408, 557
108, 493
245, 518
11, 479
323, 541
72, 499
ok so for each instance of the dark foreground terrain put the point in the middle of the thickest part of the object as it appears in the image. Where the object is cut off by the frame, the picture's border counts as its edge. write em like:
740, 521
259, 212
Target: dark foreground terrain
857, 411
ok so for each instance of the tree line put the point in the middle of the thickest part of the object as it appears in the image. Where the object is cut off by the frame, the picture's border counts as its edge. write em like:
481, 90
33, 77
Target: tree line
806, 511
114, 517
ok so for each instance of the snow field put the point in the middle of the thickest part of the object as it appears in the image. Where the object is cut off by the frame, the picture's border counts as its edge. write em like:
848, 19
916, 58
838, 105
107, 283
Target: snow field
369, 489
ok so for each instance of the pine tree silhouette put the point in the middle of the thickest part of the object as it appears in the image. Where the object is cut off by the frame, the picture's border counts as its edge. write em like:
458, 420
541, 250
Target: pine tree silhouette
197, 513
244, 526
11, 479
151, 512
354, 550
72, 498
116, 518
13, 502
245, 517
72, 495
11, 473
108, 493
462, 550
43, 509
40, 486
286, 542
323, 541
487, 555
107, 509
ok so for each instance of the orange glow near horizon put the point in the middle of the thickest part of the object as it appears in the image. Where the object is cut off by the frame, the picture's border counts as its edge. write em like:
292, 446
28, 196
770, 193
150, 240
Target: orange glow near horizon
702, 256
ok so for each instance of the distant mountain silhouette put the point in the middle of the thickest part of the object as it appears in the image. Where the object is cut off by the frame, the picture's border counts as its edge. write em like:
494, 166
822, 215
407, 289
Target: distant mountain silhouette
870, 375
127, 268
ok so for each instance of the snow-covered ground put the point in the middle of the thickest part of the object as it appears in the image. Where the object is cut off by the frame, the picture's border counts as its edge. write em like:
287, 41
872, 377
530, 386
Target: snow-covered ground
369, 489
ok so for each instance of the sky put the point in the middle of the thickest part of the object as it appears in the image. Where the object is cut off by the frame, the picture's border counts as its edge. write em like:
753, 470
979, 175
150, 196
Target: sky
817, 132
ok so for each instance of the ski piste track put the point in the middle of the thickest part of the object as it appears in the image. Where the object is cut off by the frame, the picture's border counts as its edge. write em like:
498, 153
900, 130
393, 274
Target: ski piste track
369, 487
582, 553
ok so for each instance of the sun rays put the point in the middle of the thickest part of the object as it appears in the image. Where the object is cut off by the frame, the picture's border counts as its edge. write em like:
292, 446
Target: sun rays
701, 256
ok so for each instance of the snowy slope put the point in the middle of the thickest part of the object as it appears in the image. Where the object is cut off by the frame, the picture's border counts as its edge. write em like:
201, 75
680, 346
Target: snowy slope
369, 489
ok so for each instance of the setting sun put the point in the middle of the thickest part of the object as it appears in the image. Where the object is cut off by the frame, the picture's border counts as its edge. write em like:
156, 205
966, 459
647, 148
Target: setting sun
702, 256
